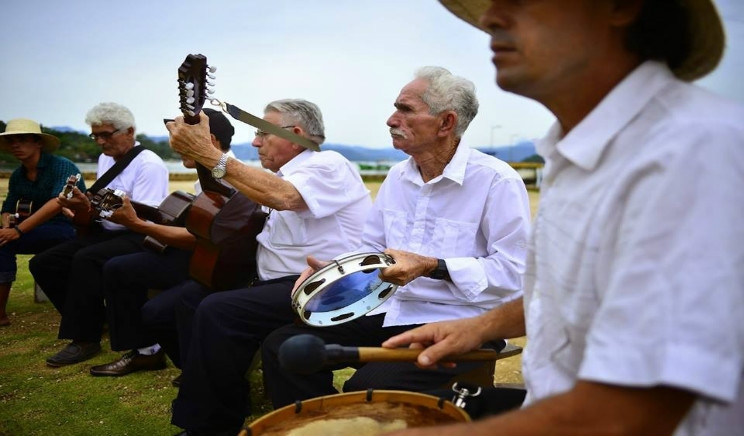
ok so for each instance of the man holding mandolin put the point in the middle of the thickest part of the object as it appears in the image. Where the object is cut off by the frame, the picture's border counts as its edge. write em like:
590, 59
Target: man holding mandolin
32, 218
317, 203
127, 278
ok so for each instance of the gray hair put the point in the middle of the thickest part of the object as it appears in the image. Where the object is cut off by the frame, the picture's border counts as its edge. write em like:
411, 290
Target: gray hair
449, 92
111, 113
302, 113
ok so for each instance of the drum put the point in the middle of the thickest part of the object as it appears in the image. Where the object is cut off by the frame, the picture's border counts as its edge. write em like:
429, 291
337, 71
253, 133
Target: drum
357, 413
343, 290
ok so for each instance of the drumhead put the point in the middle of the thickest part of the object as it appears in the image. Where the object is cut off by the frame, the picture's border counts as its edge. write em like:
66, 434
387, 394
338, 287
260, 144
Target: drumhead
343, 290
383, 406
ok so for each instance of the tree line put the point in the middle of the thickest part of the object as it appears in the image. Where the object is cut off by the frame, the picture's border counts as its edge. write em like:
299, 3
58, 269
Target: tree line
78, 147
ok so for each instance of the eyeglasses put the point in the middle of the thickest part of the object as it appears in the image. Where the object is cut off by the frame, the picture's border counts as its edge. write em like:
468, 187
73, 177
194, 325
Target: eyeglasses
262, 133
103, 135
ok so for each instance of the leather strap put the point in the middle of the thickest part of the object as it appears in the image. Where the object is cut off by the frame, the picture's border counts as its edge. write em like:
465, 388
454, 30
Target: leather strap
240, 114
114, 171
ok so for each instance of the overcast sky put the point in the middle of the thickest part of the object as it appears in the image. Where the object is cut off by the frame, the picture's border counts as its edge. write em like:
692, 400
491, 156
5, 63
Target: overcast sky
351, 57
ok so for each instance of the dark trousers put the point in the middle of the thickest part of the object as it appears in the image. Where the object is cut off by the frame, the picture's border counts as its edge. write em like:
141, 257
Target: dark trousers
285, 387
35, 241
228, 328
126, 281
167, 318
71, 275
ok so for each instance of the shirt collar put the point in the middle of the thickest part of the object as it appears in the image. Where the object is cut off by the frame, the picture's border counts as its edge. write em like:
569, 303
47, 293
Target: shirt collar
293, 163
454, 170
587, 141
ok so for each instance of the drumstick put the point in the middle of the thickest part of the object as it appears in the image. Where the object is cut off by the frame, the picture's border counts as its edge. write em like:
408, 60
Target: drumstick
305, 354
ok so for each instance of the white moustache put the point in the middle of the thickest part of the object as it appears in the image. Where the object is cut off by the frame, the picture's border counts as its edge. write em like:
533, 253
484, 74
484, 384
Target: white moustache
398, 132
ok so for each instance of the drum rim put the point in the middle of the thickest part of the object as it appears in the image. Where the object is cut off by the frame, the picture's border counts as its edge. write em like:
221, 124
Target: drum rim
335, 400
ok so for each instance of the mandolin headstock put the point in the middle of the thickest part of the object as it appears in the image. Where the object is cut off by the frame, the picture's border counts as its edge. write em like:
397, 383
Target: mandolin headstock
193, 86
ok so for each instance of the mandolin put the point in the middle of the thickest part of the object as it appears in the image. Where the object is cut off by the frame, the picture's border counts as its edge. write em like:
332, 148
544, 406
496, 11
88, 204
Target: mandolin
224, 221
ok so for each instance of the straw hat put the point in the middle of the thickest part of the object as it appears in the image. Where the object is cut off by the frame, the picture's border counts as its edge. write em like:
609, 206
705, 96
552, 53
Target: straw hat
22, 126
706, 43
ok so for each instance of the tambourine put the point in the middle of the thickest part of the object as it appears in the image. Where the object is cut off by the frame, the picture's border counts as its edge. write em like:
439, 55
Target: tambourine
343, 290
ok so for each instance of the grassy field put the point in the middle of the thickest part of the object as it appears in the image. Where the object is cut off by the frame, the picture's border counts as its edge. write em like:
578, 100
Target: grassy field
39, 400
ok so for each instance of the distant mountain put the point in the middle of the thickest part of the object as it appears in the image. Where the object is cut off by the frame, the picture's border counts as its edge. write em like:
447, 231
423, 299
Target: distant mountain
64, 129
511, 153
245, 151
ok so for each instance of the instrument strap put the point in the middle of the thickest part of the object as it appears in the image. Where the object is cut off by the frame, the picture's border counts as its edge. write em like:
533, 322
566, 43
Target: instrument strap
118, 167
241, 115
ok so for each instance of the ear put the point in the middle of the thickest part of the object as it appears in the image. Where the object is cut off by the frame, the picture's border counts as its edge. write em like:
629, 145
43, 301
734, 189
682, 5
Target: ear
215, 142
447, 123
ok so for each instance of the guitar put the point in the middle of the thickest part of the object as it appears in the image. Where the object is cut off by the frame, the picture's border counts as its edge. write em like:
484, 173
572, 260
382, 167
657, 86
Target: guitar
172, 211
24, 209
224, 221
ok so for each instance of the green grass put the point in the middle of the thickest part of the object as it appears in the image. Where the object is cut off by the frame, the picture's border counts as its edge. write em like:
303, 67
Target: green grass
38, 400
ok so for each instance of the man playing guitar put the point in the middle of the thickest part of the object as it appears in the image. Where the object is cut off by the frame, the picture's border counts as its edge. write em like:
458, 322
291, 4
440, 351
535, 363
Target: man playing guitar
31, 203
128, 278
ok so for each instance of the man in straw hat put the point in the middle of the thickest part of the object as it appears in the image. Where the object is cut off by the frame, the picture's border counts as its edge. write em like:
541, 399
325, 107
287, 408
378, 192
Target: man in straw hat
634, 288
33, 187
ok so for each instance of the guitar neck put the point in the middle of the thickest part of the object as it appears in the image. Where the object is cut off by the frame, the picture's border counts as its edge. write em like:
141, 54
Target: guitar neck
208, 183
145, 211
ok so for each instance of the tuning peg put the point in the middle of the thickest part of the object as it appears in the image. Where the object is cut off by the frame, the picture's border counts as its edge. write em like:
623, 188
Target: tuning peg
190, 100
189, 85
210, 91
210, 83
190, 93
212, 69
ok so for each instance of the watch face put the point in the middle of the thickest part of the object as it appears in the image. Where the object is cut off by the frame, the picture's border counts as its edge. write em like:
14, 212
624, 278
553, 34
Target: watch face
218, 172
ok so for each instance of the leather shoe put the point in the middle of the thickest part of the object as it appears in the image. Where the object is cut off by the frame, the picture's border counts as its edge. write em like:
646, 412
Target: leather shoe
74, 352
131, 362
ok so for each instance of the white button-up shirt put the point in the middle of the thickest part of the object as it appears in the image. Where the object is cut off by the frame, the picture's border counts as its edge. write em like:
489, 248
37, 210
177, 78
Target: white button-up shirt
337, 202
475, 216
144, 180
636, 276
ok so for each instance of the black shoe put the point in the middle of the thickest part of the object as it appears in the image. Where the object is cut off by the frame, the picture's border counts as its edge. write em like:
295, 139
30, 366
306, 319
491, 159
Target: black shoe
131, 362
74, 352
176, 382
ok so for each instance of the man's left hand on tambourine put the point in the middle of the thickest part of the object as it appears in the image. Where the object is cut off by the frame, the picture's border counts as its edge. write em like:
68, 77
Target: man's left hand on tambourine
407, 267
313, 266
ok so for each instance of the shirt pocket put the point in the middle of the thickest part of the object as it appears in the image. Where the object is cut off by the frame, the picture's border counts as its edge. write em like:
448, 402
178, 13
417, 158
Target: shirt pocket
395, 225
454, 238
287, 229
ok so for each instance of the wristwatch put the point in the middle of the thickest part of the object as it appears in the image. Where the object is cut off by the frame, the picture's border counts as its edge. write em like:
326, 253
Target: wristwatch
440, 272
220, 170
